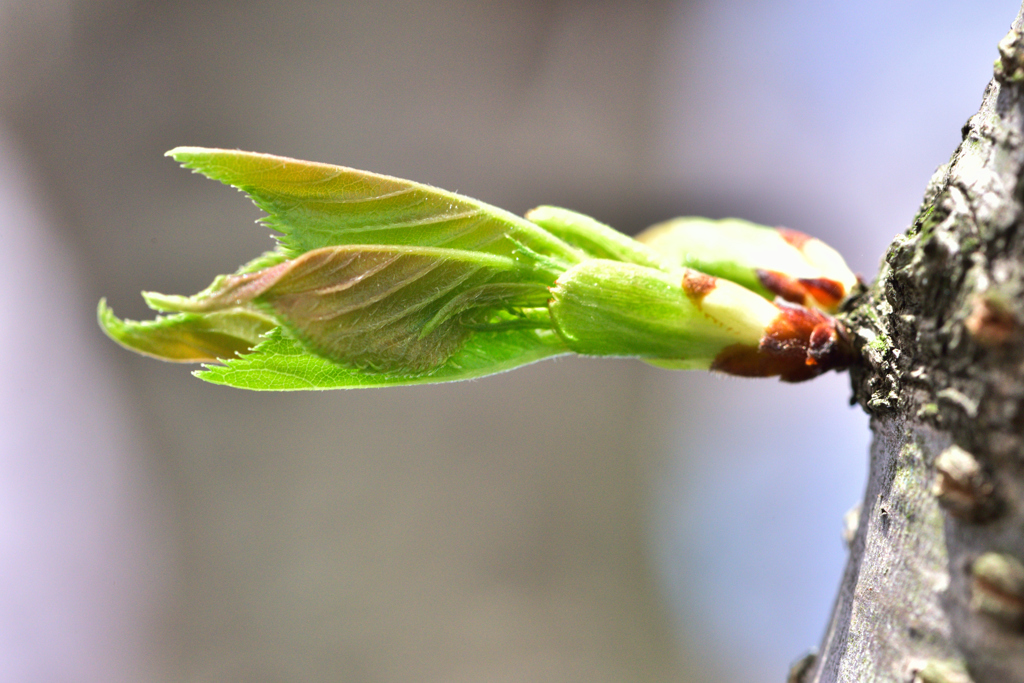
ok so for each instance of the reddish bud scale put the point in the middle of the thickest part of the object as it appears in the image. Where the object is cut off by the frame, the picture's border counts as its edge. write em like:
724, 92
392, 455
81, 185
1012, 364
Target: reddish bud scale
697, 285
803, 291
794, 237
800, 344
826, 292
782, 285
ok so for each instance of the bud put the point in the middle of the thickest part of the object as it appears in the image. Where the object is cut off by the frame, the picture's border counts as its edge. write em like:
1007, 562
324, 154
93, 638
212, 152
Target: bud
690, 320
768, 261
379, 281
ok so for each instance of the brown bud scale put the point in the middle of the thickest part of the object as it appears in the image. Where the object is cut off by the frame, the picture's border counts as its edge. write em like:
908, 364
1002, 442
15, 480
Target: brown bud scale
794, 237
826, 292
782, 285
800, 344
697, 285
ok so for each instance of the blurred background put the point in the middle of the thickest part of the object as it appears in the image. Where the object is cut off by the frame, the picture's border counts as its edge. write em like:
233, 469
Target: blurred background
576, 520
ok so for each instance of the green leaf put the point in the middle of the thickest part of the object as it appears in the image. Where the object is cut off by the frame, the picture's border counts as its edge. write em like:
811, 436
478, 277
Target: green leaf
188, 338
388, 309
282, 363
316, 205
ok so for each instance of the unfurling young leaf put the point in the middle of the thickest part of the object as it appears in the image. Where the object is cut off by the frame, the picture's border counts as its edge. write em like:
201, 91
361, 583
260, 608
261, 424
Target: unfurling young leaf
378, 281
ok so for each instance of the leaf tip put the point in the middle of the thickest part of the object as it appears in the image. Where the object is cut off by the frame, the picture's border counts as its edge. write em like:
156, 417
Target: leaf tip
117, 329
108, 322
206, 372
197, 159
183, 152
164, 303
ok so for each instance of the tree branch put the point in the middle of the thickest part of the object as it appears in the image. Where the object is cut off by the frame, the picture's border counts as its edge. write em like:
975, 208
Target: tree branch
934, 588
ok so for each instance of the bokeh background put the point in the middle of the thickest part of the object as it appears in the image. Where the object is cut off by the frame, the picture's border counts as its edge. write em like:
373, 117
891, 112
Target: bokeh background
574, 520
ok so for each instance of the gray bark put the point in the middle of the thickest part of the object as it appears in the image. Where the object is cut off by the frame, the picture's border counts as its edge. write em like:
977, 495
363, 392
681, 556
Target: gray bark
934, 587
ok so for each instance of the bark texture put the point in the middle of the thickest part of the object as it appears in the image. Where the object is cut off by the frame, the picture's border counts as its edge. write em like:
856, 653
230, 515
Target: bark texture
934, 586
